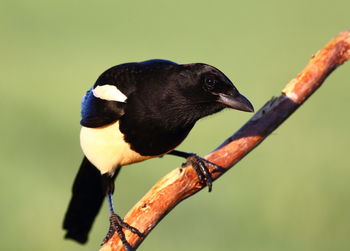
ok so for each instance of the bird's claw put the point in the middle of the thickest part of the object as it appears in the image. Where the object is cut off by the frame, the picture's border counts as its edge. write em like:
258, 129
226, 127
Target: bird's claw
116, 225
200, 166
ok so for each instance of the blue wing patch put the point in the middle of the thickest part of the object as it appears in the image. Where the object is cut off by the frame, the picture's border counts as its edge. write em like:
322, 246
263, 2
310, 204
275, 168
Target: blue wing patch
98, 112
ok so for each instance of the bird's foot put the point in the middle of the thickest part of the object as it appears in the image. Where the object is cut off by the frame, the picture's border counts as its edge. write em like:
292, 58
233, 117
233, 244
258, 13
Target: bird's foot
200, 165
116, 225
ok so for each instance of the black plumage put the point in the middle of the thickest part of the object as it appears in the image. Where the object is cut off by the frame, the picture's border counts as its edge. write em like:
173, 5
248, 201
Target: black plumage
155, 105
88, 195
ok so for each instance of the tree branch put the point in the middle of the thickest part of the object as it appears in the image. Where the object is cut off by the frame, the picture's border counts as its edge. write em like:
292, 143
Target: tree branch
183, 182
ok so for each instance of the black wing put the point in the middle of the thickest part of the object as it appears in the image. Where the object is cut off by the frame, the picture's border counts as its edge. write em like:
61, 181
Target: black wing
98, 112
127, 77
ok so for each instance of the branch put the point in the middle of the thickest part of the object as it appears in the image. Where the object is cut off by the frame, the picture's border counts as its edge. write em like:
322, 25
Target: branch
183, 182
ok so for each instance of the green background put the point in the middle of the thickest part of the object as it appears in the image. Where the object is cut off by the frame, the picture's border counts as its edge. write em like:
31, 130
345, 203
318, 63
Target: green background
291, 193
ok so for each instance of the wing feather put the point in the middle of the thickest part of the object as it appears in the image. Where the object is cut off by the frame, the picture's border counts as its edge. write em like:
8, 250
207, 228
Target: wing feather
98, 112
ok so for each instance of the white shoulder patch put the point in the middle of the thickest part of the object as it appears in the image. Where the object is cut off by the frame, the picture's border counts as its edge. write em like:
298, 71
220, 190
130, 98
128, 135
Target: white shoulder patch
109, 92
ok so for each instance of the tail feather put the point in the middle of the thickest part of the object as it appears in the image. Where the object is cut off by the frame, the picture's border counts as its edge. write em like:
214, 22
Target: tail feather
87, 199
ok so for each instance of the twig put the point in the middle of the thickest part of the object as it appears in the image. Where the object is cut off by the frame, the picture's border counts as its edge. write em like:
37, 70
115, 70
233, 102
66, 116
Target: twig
182, 182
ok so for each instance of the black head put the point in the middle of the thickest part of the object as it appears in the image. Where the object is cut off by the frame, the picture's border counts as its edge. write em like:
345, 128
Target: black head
210, 89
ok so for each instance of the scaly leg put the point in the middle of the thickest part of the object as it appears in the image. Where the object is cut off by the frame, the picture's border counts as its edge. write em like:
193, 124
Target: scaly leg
116, 222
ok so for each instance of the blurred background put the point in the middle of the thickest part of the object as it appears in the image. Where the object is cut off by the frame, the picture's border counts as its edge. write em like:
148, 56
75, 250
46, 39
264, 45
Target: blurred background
291, 193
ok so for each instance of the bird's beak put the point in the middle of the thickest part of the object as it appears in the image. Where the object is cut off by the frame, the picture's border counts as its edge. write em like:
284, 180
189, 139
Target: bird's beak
238, 102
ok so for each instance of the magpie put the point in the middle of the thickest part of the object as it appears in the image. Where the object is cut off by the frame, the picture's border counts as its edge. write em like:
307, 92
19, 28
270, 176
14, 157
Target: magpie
138, 111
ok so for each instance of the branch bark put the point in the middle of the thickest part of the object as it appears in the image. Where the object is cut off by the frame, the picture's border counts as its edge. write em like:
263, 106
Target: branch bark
183, 182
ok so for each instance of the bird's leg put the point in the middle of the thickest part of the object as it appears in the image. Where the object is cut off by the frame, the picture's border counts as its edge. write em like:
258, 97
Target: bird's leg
116, 223
200, 166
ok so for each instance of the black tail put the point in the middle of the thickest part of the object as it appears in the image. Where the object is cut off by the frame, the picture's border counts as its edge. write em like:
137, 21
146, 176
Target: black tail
87, 199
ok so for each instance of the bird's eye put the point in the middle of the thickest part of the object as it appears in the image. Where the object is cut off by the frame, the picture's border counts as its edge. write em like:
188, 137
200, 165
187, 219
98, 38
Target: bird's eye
209, 83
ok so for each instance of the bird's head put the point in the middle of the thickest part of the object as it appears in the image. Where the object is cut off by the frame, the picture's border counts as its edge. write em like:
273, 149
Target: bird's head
209, 88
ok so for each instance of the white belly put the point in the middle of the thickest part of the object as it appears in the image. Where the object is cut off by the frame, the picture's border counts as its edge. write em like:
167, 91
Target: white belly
106, 149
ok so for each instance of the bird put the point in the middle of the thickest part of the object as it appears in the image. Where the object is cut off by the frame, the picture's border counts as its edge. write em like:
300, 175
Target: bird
138, 111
